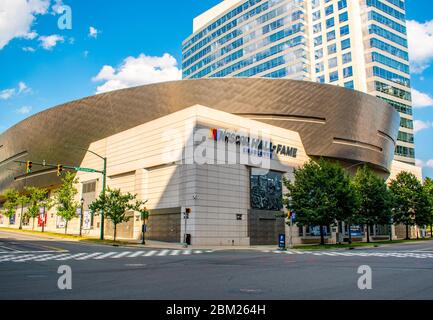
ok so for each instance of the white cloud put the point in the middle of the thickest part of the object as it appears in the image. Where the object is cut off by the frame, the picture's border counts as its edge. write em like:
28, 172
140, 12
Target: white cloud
420, 37
57, 7
424, 164
138, 71
17, 17
49, 42
29, 49
7, 94
420, 125
93, 32
24, 110
420, 99
22, 87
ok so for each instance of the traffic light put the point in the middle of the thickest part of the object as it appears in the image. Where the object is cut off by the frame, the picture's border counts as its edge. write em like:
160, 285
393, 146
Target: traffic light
187, 213
59, 170
29, 166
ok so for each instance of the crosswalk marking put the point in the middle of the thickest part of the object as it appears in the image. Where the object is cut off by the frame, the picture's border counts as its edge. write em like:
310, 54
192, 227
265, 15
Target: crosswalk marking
89, 256
106, 255
356, 254
136, 254
69, 257
37, 257
150, 253
120, 255
163, 253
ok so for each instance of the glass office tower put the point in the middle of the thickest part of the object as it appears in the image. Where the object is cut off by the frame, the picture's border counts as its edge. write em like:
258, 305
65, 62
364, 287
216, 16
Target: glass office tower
358, 44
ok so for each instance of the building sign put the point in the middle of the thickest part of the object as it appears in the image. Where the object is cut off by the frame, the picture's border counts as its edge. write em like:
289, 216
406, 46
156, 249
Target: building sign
253, 146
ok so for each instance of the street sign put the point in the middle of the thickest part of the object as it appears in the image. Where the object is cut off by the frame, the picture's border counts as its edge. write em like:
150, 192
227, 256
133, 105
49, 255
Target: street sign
293, 216
78, 212
282, 241
85, 170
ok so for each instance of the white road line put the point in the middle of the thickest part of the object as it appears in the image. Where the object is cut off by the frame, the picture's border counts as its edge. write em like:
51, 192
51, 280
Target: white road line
136, 254
106, 255
89, 256
150, 253
74, 256
175, 252
186, 252
289, 252
9, 249
198, 251
163, 253
24, 258
7, 258
42, 257
51, 257
33, 252
120, 255
209, 251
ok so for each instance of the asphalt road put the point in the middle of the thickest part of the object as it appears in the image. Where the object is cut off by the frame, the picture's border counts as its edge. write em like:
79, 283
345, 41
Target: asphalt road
29, 270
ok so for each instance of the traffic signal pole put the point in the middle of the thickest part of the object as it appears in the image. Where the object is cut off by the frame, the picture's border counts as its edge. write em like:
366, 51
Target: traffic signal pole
104, 183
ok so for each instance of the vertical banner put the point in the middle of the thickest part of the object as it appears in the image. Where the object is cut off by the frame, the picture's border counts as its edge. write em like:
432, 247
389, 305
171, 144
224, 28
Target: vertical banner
87, 220
42, 219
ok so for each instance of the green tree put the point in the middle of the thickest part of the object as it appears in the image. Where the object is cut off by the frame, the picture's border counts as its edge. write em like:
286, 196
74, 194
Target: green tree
65, 198
36, 197
375, 199
321, 194
428, 187
410, 202
116, 205
12, 201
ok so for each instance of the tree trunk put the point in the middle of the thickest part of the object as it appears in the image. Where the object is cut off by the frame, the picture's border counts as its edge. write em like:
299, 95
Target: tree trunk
115, 232
350, 233
21, 216
66, 227
368, 233
322, 236
33, 228
407, 232
431, 230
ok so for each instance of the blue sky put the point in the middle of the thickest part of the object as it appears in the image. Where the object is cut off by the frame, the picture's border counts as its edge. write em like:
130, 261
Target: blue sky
42, 66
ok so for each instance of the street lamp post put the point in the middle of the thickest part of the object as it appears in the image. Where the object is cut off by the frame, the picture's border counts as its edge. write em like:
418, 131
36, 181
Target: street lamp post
81, 216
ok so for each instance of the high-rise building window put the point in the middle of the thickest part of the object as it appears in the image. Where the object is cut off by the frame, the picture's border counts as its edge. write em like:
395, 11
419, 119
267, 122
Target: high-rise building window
319, 67
318, 41
333, 76
342, 4
347, 72
316, 15
329, 10
344, 30
317, 28
333, 63
347, 57
332, 48
330, 23
321, 79
349, 85
345, 44
330, 35
343, 17
318, 53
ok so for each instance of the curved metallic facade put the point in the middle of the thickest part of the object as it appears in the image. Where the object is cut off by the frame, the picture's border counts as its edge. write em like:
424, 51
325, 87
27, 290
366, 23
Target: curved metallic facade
333, 122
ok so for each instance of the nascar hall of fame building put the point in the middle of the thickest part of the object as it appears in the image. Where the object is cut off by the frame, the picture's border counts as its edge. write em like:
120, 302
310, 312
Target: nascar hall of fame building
220, 147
